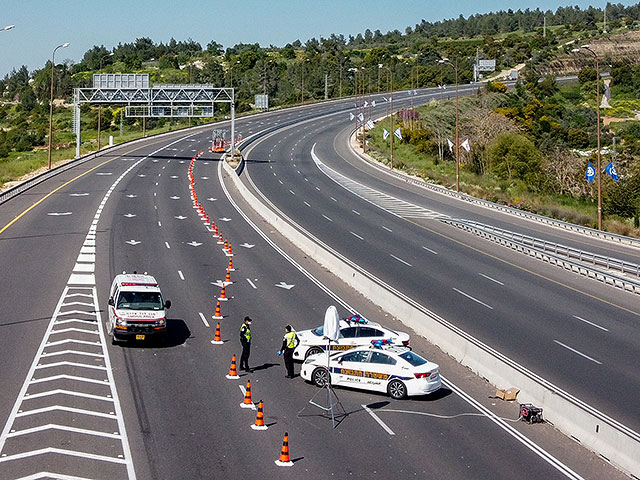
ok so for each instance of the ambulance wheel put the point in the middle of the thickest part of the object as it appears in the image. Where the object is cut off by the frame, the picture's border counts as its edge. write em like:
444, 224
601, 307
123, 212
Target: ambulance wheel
320, 377
397, 390
312, 351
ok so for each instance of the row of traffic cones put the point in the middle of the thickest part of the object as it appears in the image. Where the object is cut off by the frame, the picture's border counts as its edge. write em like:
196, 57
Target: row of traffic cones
284, 459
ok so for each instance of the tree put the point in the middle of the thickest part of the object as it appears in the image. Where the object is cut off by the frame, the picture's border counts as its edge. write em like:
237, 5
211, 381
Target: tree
514, 156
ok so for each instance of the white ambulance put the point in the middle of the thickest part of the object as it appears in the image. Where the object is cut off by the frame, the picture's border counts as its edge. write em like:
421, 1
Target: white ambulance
136, 308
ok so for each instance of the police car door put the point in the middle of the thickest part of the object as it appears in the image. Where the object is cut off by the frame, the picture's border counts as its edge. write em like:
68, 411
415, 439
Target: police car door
379, 368
351, 367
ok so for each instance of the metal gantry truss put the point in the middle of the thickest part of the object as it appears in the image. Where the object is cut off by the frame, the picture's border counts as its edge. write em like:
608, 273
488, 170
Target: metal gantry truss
157, 101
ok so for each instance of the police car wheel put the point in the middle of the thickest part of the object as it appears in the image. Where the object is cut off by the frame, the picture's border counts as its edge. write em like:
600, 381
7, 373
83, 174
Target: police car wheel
397, 390
320, 377
312, 351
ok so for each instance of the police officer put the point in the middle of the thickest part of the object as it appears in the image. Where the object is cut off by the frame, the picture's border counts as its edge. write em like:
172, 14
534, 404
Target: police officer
289, 343
245, 341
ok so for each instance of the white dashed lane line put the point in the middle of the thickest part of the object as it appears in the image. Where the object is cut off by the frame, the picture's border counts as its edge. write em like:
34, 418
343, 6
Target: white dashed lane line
387, 229
401, 260
584, 355
167, 244
429, 250
474, 299
180, 275
489, 278
590, 323
356, 235
204, 319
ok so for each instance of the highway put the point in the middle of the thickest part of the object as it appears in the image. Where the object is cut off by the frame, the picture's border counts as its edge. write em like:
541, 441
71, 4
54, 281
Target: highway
76, 406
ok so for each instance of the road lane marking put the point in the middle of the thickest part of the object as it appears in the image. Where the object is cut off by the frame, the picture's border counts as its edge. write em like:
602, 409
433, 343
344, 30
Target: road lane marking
204, 319
472, 298
354, 211
429, 250
159, 223
578, 352
180, 275
167, 244
387, 229
590, 323
489, 278
356, 235
327, 217
401, 260
307, 204
377, 419
252, 284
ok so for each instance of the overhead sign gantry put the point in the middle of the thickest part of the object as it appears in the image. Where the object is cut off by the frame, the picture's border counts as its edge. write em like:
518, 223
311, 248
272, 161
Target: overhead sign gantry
158, 101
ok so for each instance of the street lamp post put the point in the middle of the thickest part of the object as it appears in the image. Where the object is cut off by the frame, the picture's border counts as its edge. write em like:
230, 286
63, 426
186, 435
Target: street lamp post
588, 49
455, 67
390, 93
53, 65
100, 105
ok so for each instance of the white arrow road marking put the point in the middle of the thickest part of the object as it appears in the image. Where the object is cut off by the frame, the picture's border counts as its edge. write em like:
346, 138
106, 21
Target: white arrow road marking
141, 175
212, 199
133, 242
174, 198
218, 283
284, 285
129, 215
131, 196
194, 244
78, 194
180, 217
174, 176
247, 245
59, 214
225, 219
104, 173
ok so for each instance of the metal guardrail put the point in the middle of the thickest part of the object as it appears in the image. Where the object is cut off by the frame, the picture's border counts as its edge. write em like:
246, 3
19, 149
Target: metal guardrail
609, 263
626, 284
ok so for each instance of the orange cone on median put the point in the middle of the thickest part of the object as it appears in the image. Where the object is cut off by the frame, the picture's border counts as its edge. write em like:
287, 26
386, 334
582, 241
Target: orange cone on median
217, 340
230, 267
247, 402
259, 425
284, 460
233, 372
218, 314
223, 296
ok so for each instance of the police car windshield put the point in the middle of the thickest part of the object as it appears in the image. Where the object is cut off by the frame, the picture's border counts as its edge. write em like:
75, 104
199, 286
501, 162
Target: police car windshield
140, 301
318, 331
413, 359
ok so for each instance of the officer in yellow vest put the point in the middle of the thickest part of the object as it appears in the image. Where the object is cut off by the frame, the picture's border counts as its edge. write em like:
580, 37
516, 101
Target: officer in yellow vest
289, 343
245, 341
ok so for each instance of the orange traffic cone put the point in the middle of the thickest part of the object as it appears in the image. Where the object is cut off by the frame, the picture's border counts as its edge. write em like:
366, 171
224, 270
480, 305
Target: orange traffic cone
220, 241
218, 315
223, 296
230, 267
217, 340
227, 280
247, 403
259, 425
229, 252
284, 460
233, 372
226, 244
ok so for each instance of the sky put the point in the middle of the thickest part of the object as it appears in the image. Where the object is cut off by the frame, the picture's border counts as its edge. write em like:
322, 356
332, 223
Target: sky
41, 25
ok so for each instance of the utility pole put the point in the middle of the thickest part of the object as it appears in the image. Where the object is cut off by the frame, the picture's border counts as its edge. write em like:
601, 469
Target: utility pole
544, 26
326, 86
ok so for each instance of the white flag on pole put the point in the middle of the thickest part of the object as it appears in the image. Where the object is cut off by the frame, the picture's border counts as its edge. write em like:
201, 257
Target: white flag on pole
466, 145
397, 133
450, 145
351, 116
361, 117
385, 134
370, 124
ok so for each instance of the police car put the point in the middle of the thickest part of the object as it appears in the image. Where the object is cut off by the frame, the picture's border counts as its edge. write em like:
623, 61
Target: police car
136, 308
382, 367
354, 331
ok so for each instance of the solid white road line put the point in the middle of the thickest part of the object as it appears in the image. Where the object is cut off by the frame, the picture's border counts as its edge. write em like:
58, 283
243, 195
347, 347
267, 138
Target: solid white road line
590, 323
578, 352
471, 298
429, 250
204, 319
489, 278
377, 419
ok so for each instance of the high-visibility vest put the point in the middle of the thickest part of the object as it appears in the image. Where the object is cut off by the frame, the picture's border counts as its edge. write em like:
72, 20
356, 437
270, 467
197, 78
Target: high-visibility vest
290, 337
246, 331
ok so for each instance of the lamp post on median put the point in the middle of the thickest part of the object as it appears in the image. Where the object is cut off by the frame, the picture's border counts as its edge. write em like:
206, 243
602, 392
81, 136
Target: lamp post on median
53, 65
100, 105
455, 67
588, 49
390, 93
